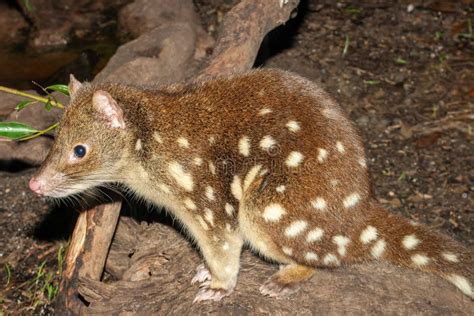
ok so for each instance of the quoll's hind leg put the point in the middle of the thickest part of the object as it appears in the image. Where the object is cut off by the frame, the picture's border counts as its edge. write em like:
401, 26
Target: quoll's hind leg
263, 238
286, 281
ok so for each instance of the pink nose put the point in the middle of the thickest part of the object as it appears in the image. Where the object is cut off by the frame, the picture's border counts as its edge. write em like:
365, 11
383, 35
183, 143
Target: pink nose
36, 185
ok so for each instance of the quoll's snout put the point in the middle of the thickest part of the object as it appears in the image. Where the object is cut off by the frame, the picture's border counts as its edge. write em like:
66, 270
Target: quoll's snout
36, 185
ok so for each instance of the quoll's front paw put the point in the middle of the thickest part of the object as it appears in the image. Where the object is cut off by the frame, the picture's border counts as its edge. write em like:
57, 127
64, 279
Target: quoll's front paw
202, 274
208, 294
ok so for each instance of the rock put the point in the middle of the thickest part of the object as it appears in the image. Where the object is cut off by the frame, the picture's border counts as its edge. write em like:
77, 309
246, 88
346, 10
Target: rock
142, 16
12, 25
157, 57
56, 22
51, 38
169, 36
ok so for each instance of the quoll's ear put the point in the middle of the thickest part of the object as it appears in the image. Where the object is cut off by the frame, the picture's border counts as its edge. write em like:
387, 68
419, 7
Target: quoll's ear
73, 86
108, 109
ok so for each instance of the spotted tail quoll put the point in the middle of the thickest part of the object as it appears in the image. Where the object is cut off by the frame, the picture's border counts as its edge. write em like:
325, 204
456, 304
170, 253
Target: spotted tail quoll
265, 158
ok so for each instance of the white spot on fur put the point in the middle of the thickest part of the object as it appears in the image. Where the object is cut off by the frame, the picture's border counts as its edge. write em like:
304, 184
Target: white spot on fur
368, 235
236, 188
264, 111
209, 216
362, 163
340, 147
211, 140
202, 222
229, 209
267, 142
163, 187
228, 227
334, 182
287, 251
197, 161
378, 248
212, 168
311, 256
420, 260
273, 212
138, 144
351, 200
210, 193
261, 247
182, 178
280, 188
341, 242
331, 259
449, 256
183, 142
294, 159
314, 235
143, 173
296, 228
293, 126
461, 283
157, 137
319, 203
225, 246
250, 176
189, 204
244, 146
331, 113
322, 154
410, 242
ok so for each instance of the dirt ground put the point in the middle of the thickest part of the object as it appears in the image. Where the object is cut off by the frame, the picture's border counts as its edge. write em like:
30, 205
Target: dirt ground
405, 75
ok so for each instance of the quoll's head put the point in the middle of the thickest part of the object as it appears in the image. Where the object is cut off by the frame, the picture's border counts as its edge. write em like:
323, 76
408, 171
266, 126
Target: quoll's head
90, 145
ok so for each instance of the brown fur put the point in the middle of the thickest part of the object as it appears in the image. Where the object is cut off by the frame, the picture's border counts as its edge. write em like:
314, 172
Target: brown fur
180, 149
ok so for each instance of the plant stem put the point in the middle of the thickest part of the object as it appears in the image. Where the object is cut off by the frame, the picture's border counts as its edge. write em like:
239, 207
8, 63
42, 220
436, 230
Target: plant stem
31, 96
39, 133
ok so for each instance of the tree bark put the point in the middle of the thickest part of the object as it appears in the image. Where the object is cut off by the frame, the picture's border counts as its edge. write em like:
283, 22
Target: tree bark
242, 31
87, 252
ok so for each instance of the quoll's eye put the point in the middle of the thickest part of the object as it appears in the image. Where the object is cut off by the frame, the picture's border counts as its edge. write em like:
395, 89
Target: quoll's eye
79, 151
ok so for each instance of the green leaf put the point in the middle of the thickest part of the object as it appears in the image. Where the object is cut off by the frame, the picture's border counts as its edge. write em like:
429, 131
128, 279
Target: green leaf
371, 82
60, 88
48, 106
23, 104
28, 6
401, 61
15, 130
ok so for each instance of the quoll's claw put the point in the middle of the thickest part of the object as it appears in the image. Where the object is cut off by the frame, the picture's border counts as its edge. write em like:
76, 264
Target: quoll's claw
202, 274
274, 289
208, 294
205, 284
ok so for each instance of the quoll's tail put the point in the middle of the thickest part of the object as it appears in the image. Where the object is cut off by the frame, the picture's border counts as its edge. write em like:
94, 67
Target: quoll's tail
392, 238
